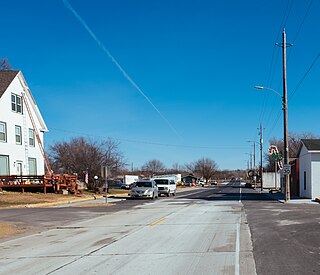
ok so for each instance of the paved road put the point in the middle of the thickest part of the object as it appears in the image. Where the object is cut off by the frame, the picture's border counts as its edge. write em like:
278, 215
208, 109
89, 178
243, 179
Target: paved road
286, 237
199, 232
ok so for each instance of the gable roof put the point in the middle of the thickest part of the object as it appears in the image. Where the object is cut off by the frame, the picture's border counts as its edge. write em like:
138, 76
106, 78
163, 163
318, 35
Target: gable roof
310, 144
6, 77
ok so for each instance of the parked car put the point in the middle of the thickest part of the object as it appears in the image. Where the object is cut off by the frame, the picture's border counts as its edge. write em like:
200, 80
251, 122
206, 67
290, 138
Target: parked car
166, 187
200, 182
118, 186
144, 189
213, 182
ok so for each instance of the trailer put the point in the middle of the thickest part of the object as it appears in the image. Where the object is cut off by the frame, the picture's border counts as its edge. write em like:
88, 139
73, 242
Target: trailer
175, 177
44, 183
129, 179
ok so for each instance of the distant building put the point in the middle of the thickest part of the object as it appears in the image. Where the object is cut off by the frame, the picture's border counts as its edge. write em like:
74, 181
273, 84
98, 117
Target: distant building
309, 162
20, 153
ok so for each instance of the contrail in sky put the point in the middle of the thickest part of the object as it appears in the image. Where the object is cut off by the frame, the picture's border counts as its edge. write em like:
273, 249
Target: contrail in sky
84, 24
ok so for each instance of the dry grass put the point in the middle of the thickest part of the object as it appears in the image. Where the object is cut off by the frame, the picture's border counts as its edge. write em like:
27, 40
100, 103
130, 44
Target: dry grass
7, 230
19, 200
15, 199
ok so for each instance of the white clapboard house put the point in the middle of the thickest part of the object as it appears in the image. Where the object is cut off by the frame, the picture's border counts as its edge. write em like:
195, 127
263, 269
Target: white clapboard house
20, 121
309, 159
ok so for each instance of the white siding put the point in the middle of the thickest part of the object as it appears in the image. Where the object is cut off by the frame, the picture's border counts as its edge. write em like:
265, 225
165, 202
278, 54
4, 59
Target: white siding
17, 153
305, 166
269, 180
315, 166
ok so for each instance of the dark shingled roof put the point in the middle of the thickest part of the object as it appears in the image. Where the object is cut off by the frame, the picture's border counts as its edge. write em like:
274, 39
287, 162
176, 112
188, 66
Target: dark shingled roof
312, 144
6, 77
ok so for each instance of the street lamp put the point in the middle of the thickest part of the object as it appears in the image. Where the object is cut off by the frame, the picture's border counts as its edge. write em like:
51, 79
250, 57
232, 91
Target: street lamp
266, 88
285, 135
95, 181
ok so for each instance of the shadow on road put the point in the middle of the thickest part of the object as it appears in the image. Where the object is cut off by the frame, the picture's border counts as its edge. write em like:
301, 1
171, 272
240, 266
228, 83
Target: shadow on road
233, 193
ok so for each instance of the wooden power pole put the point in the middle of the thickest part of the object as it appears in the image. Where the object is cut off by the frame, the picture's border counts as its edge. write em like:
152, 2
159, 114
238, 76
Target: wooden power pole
261, 156
286, 176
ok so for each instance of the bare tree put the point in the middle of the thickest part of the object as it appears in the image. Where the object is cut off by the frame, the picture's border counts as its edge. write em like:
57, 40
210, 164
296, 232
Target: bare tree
4, 64
204, 167
154, 166
112, 156
82, 156
294, 144
176, 169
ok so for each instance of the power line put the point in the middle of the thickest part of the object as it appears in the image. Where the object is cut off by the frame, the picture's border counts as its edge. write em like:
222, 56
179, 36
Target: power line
304, 76
294, 91
153, 143
301, 24
300, 82
272, 66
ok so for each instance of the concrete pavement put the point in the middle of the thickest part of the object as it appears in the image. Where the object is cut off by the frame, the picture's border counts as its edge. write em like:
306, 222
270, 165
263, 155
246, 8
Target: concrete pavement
193, 234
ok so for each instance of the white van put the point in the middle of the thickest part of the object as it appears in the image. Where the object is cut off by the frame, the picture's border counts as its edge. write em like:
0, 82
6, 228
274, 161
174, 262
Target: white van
166, 186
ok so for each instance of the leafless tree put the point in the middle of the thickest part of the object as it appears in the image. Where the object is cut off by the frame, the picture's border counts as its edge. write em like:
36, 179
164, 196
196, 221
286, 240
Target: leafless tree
4, 64
294, 144
153, 167
176, 169
204, 167
82, 156
112, 156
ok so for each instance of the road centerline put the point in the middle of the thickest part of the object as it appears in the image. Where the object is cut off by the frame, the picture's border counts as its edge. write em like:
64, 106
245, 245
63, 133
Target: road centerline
157, 222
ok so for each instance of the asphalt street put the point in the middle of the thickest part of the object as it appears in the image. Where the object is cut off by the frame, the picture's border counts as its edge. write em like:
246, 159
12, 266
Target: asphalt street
226, 229
285, 236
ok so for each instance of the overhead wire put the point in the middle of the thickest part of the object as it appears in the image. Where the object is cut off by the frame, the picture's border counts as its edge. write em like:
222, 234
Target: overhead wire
273, 62
295, 90
304, 76
150, 142
300, 27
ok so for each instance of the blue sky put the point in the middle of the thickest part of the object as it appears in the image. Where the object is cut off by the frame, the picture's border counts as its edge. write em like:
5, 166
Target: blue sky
197, 62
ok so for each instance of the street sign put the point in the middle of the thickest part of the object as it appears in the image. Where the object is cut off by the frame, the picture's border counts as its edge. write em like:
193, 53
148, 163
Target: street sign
286, 169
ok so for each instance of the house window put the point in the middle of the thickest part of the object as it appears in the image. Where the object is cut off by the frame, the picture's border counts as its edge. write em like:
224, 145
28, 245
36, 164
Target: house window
3, 131
305, 180
18, 134
32, 166
16, 103
31, 138
4, 165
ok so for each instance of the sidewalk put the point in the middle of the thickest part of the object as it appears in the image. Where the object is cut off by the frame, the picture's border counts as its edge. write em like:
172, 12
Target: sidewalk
280, 197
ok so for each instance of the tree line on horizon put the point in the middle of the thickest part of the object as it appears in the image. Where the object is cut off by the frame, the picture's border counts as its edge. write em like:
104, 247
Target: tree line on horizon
84, 156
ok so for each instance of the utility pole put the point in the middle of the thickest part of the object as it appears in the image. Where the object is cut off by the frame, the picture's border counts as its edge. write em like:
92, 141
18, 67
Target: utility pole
261, 147
284, 46
254, 155
254, 161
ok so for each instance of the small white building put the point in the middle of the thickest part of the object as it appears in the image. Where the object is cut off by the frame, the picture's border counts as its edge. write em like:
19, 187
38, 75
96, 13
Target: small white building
309, 171
20, 153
